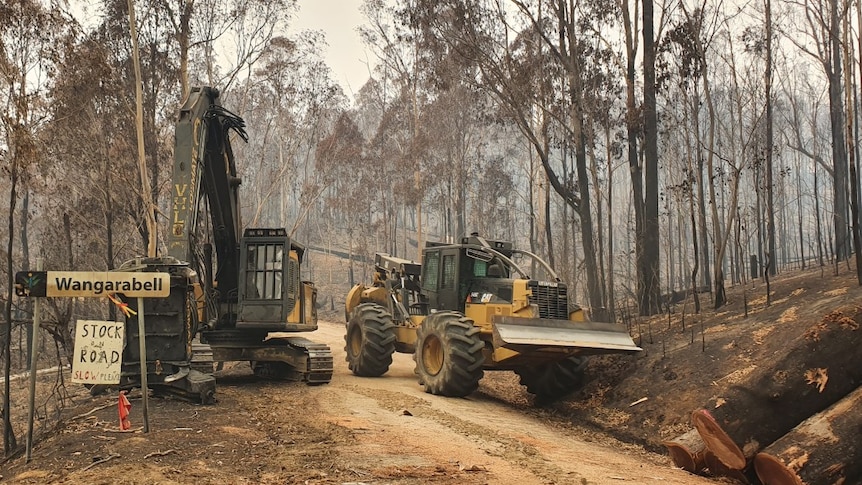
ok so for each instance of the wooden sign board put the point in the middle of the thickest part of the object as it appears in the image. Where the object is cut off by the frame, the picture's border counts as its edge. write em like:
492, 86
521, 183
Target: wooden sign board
84, 284
98, 353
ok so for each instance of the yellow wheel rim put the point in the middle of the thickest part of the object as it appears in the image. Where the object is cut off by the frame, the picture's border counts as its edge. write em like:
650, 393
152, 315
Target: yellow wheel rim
432, 355
355, 340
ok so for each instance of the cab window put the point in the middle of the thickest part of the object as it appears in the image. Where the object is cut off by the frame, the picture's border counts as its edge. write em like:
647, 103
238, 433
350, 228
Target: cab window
448, 271
480, 268
431, 269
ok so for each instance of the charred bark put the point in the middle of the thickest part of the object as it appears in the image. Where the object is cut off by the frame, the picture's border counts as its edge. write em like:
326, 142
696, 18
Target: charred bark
820, 367
824, 449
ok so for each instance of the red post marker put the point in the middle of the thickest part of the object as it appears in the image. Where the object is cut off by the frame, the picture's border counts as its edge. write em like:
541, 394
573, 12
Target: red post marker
124, 406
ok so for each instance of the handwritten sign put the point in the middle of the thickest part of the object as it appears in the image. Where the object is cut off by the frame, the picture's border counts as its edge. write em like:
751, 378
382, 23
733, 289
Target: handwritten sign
98, 352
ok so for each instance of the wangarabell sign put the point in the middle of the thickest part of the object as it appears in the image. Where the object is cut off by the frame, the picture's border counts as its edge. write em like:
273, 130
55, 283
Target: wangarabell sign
89, 283
93, 283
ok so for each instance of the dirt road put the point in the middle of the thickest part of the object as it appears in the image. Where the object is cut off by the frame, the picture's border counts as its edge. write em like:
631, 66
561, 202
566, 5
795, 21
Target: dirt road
397, 424
353, 430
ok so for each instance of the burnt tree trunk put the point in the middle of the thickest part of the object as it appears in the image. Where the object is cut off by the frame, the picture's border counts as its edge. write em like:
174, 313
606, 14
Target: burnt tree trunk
824, 449
820, 367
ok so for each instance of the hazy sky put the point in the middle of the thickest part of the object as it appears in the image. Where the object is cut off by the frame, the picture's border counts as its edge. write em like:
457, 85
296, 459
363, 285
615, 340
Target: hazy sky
338, 19
346, 55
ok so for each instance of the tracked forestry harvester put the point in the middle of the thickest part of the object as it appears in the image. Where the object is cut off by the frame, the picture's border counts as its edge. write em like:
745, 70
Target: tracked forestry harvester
467, 308
234, 290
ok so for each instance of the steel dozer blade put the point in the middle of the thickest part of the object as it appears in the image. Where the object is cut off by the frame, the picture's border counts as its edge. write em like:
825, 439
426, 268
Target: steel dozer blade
517, 333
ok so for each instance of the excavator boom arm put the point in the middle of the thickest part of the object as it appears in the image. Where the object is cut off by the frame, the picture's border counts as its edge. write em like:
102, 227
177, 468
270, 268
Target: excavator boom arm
204, 164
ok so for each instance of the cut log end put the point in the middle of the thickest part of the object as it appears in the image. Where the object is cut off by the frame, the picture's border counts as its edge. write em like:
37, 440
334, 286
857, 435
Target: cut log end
718, 469
687, 451
717, 441
684, 458
770, 470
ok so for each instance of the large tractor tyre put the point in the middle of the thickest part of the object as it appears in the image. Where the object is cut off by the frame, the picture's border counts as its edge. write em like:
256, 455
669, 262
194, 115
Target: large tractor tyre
449, 355
370, 340
551, 381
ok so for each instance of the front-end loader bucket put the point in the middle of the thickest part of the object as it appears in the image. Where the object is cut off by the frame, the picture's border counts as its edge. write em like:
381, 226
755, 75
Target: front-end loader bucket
520, 334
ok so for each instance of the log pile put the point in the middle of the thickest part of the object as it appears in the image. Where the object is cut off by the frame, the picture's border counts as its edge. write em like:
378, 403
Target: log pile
825, 448
796, 420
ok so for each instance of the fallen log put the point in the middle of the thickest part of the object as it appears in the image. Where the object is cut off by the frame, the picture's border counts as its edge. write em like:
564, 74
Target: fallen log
687, 451
820, 367
718, 469
823, 450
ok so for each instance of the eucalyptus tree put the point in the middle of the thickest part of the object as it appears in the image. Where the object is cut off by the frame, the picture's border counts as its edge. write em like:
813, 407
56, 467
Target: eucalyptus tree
459, 123
582, 64
376, 115
536, 61
806, 139
819, 36
31, 34
399, 150
182, 43
628, 11
352, 182
636, 21
682, 45
232, 35
401, 47
452, 135
445, 120
290, 103
648, 260
159, 94
693, 35
532, 73
745, 126
95, 232
606, 127
146, 189
767, 83
851, 104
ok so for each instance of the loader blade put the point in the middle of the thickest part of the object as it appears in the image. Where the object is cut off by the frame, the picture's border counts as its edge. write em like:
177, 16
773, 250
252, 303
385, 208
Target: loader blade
592, 337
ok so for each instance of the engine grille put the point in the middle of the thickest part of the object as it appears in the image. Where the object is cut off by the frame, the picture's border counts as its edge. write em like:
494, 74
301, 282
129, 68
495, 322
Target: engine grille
551, 298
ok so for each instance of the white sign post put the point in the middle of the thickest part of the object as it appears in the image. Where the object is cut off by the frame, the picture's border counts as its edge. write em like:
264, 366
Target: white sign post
98, 356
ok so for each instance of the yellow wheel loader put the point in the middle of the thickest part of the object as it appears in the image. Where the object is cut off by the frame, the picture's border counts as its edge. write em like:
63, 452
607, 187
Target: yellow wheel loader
470, 307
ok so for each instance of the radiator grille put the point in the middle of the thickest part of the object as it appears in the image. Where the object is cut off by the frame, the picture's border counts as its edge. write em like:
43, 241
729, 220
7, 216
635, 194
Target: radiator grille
551, 298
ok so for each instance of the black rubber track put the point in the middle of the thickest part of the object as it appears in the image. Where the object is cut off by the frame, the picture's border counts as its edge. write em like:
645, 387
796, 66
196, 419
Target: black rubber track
448, 355
370, 340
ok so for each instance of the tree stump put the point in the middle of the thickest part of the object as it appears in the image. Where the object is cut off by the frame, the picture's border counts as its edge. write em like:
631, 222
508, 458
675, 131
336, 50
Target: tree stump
825, 449
820, 367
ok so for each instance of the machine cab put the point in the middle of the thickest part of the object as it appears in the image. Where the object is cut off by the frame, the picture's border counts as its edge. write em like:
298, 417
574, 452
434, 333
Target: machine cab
270, 290
451, 273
